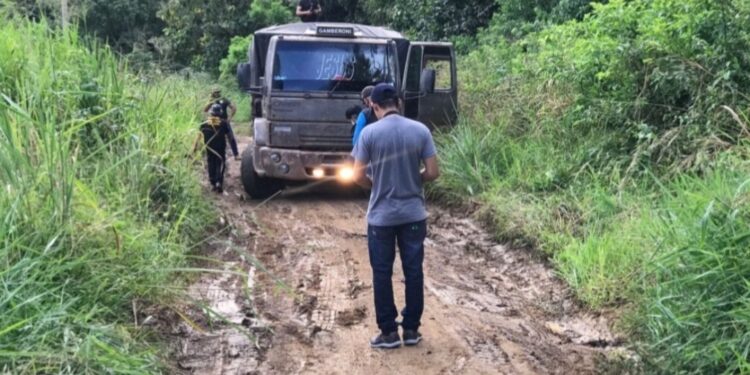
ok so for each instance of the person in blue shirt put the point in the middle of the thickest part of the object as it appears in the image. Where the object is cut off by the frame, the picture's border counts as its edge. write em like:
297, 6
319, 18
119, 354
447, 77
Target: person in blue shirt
366, 117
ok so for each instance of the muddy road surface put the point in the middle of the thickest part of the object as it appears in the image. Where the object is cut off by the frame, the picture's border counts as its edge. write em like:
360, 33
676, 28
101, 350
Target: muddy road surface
297, 297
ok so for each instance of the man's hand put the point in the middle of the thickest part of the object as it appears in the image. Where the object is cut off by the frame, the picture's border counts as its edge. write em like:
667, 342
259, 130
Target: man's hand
299, 12
232, 111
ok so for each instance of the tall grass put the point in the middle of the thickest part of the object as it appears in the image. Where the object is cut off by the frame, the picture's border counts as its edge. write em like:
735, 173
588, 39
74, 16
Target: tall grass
98, 202
697, 289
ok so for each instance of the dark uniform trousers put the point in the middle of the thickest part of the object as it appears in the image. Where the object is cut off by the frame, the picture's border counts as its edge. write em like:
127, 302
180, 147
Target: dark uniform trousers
215, 138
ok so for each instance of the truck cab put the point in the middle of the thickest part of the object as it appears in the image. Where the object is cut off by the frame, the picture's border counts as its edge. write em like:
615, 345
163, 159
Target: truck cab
302, 77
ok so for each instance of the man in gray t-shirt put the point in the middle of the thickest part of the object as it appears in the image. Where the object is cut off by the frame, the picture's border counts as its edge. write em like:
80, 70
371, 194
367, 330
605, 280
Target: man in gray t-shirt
395, 148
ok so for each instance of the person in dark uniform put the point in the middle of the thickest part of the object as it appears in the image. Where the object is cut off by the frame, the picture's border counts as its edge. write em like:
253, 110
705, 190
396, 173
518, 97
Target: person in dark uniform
308, 10
215, 132
228, 109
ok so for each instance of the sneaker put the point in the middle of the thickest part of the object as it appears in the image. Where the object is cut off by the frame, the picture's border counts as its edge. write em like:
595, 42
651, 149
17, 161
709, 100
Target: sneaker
389, 341
412, 337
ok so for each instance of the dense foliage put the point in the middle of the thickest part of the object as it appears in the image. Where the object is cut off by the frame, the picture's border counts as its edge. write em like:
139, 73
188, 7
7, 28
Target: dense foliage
197, 34
432, 19
613, 136
617, 142
98, 202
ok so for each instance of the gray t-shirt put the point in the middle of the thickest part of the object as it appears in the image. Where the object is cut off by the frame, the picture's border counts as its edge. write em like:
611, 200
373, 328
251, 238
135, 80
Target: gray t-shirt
394, 148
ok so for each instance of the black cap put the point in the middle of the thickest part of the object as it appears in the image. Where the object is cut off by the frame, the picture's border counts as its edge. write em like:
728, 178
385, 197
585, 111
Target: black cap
353, 111
383, 92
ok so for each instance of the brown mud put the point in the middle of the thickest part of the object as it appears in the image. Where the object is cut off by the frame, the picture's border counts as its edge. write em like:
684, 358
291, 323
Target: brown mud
297, 299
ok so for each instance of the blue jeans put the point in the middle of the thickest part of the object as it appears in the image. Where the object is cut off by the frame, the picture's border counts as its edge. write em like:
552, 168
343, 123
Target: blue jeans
381, 242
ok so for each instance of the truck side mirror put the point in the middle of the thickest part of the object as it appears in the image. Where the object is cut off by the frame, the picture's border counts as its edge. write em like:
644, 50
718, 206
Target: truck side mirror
244, 76
427, 81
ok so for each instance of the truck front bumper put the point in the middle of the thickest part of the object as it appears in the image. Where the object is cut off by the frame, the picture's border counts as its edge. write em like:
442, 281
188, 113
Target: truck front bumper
301, 165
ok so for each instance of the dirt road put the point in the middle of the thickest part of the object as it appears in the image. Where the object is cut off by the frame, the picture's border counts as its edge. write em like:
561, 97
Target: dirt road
299, 298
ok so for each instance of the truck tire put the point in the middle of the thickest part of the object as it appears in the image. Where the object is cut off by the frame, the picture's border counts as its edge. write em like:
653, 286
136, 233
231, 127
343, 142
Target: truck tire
256, 187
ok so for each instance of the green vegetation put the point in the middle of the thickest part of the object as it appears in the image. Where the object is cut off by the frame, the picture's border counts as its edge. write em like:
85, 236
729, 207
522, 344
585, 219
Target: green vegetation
196, 34
612, 136
237, 54
99, 202
617, 143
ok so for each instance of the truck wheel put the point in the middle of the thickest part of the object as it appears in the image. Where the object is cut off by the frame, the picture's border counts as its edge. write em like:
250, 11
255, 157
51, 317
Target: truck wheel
256, 187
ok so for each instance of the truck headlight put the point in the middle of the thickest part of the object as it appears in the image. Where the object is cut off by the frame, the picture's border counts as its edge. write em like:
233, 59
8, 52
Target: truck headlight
346, 174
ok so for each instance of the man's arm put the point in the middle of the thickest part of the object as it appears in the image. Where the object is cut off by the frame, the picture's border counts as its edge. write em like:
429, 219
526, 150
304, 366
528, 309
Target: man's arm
361, 155
360, 177
232, 110
301, 12
197, 143
208, 106
358, 126
431, 169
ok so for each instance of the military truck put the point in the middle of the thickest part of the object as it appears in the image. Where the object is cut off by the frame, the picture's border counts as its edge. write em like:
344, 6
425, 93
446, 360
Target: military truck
302, 77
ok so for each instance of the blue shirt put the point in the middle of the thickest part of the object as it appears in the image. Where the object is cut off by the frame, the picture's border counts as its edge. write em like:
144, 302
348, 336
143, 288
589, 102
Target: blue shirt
358, 126
394, 148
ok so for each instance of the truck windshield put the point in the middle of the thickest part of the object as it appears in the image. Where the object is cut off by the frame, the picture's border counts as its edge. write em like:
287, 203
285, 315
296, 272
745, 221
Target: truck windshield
331, 66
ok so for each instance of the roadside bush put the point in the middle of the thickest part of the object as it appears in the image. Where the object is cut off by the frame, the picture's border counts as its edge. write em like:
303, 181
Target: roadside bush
616, 143
668, 77
696, 310
238, 53
99, 202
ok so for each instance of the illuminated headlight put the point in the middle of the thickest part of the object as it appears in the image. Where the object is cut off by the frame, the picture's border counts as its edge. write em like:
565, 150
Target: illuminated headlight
318, 173
346, 174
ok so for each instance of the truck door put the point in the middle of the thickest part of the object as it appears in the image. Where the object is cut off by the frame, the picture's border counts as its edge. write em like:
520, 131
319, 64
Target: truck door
429, 85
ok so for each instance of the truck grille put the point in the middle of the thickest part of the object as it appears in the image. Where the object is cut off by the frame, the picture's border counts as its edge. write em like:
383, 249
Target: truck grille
325, 141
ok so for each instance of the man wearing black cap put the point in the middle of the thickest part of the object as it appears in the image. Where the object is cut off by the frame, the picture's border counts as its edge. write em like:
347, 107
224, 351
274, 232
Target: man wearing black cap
394, 149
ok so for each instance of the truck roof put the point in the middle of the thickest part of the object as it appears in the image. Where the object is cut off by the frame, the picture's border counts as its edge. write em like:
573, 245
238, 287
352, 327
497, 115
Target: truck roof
308, 28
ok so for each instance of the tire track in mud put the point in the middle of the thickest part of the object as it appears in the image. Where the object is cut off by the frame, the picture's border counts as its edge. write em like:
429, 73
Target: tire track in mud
488, 309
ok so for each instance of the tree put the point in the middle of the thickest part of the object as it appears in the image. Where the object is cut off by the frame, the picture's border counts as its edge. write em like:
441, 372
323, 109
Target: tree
122, 23
198, 32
